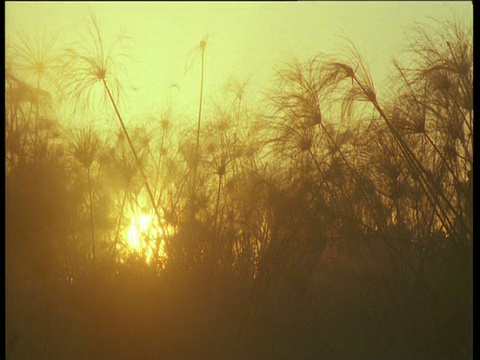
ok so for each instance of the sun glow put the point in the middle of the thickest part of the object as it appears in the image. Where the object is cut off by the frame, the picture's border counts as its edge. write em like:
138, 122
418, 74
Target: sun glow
142, 237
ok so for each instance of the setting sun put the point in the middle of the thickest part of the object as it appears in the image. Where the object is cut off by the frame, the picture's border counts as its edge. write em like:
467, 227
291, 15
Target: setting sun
142, 236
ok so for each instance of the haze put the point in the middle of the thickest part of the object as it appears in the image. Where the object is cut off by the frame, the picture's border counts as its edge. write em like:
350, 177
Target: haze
246, 40
239, 180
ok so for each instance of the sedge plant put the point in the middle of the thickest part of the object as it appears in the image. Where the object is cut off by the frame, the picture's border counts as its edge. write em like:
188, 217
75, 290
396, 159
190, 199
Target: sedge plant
90, 68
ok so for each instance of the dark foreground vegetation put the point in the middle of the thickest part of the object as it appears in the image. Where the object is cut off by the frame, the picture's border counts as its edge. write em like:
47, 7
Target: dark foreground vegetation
322, 222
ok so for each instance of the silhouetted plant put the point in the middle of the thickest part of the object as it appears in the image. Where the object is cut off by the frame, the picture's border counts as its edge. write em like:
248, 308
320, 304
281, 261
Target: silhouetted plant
90, 69
37, 59
201, 47
85, 149
362, 85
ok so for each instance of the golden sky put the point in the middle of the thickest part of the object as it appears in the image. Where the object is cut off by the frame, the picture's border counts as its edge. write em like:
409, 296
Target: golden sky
245, 39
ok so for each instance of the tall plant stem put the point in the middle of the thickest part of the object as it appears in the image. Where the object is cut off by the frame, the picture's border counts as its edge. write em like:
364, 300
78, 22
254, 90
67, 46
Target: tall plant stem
91, 218
149, 190
119, 223
218, 202
199, 120
450, 169
322, 173
35, 142
159, 165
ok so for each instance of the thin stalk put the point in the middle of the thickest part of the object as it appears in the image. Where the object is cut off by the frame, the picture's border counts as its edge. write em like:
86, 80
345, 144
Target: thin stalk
91, 218
119, 223
452, 172
160, 164
218, 201
130, 143
317, 165
35, 142
27, 133
199, 120
380, 224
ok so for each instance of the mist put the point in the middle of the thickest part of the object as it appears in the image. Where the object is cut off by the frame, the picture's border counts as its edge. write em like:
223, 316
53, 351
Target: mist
239, 181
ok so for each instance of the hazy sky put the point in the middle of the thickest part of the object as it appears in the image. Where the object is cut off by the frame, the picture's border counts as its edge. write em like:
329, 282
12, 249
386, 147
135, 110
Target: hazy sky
245, 39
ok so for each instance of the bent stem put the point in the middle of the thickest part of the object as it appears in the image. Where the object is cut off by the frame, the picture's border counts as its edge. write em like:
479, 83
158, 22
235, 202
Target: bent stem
430, 190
